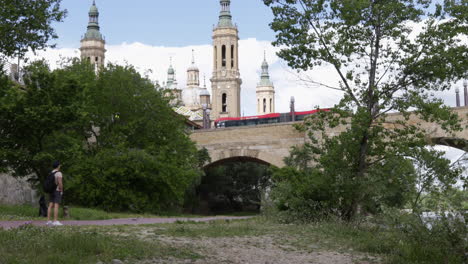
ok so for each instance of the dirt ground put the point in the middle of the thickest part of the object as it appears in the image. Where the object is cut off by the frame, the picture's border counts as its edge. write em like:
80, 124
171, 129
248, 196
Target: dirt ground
255, 250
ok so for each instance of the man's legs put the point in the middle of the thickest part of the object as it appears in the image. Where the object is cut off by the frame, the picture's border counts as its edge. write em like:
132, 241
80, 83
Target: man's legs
56, 211
49, 211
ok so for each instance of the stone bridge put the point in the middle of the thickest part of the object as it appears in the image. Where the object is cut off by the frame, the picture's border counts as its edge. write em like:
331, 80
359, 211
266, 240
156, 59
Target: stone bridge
269, 144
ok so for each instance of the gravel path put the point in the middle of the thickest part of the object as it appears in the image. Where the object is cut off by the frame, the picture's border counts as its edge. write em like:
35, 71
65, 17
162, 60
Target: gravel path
123, 221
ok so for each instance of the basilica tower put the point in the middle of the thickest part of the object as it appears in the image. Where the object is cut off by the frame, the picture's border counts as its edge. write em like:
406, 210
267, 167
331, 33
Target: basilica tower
225, 82
93, 43
265, 92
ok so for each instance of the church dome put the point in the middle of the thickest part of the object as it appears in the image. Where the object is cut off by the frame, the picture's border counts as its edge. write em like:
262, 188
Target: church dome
170, 70
193, 67
204, 92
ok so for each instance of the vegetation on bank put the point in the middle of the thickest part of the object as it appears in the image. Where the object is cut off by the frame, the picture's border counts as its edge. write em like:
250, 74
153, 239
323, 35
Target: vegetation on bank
28, 212
43, 245
376, 238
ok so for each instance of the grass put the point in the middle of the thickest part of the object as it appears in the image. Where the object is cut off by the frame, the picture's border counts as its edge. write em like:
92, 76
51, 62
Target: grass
28, 212
93, 243
39, 245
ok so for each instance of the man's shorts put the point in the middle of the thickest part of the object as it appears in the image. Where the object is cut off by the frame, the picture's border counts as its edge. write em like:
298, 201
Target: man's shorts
55, 197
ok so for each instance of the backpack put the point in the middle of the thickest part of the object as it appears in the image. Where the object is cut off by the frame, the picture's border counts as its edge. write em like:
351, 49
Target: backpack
49, 184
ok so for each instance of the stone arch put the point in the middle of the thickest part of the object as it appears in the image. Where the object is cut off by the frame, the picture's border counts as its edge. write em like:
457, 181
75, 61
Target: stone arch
220, 155
237, 158
458, 143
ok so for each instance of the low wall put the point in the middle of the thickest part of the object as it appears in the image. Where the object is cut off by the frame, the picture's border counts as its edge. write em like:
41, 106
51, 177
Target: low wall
14, 191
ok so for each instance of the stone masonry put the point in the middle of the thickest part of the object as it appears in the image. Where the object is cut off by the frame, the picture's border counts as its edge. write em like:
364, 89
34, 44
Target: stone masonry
272, 143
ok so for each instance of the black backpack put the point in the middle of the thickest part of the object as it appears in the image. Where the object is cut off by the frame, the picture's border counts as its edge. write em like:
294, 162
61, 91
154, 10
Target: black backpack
49, 184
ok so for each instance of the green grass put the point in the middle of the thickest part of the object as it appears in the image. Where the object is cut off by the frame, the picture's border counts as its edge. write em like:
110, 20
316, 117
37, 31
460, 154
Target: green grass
37, 245
28, 212
219, 228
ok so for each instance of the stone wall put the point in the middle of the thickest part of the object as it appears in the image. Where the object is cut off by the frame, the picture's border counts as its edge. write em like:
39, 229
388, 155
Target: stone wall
15, 191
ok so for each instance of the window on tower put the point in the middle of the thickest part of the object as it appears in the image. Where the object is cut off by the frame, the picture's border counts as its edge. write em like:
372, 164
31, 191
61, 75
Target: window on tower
264, 105
97, 59
223, 56
271, 105
224, 103
232, 56
216, 57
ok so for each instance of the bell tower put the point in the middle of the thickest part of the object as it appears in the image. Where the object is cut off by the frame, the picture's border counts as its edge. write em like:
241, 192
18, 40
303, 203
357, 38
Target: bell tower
93, 43
226, 81
265, 92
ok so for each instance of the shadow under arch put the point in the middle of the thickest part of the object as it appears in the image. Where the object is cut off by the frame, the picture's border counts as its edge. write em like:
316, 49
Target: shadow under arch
458, 143
236, 159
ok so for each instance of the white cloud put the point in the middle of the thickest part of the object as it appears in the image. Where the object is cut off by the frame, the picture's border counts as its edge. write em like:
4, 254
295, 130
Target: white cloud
251, 51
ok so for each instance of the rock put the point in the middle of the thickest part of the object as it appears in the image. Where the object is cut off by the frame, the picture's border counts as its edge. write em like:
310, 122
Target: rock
117, 261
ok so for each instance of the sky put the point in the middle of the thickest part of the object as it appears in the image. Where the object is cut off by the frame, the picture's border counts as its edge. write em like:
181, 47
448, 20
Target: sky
147, 33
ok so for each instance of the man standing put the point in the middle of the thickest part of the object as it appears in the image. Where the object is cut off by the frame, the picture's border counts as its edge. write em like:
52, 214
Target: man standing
55, 197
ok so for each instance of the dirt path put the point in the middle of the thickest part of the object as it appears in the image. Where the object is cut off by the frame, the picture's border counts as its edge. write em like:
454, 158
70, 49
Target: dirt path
123, 221
257, 250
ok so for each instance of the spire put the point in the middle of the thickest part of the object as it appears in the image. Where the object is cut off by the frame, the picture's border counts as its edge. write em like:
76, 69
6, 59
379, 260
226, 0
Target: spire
193, 67
225, 17
170, 71
265, 77
193, 56
93, 24
170, 75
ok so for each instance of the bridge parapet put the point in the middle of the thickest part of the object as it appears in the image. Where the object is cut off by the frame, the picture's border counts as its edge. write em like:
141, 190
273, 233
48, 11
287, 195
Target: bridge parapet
271, 143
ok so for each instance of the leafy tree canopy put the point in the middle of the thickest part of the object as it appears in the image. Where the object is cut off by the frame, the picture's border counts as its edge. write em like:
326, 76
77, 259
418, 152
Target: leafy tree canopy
121, 145
27, 24
389, 56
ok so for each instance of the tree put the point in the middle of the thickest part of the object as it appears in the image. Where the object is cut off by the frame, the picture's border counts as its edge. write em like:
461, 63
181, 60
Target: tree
383, 65
26, 24
121, 145
140, 157
40, 121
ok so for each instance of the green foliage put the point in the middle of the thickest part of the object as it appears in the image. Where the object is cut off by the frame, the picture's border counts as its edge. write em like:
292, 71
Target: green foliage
121, 145
26, 24
46, 245
383, 66
27, 212
234, 186
423, 239
301, 196
40, 121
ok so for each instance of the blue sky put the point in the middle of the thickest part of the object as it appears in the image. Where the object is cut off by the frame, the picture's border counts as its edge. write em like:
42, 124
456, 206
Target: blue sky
174, 23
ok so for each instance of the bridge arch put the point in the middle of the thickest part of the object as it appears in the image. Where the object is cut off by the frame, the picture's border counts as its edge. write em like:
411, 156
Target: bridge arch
458, 143
235, 159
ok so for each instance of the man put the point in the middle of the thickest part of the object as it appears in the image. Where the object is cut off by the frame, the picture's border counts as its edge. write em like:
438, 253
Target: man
55, 198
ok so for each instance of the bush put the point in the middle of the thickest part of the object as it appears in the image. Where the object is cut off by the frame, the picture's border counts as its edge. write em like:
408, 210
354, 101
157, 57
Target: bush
301, 195
129, 180
419, 239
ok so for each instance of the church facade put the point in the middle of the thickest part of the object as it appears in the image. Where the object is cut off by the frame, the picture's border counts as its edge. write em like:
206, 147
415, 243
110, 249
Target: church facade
193, 100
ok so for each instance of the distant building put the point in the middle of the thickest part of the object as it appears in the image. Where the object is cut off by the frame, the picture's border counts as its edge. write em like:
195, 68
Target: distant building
265, 92
192, 100
93, 43
225, 100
